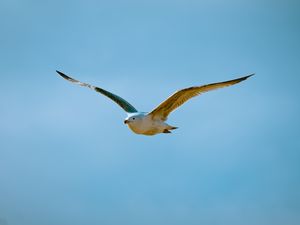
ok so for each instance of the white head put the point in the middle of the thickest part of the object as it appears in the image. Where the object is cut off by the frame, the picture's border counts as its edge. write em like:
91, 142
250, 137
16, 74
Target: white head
134, 118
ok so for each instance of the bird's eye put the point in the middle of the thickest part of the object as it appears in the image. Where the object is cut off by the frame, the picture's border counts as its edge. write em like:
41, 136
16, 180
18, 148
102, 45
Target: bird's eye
133, 118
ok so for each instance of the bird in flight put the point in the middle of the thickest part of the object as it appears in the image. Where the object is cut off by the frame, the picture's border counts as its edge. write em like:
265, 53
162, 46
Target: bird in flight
154, 122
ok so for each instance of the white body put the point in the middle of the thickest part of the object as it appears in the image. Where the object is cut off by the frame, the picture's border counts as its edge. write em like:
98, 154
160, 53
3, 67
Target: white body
141, 123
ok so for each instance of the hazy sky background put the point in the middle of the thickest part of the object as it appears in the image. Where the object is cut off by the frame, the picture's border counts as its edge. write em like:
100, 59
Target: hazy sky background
66, 156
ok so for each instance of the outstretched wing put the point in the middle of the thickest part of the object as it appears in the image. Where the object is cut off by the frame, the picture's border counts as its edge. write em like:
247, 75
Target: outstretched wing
178, 98
117, 99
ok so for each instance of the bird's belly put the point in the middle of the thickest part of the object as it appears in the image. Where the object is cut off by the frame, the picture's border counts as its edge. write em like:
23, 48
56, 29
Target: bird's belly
146, 129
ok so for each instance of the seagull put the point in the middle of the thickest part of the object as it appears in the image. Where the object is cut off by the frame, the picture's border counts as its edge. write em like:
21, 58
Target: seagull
153, 123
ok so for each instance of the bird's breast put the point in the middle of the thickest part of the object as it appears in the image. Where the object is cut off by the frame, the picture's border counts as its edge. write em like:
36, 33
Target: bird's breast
146, 127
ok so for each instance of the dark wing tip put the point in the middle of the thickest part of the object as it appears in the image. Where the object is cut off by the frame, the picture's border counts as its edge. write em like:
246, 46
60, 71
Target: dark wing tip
63, 75
246, 77
243, 78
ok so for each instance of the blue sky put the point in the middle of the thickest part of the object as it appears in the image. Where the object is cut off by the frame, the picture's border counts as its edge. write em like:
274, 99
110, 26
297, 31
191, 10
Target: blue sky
66, 156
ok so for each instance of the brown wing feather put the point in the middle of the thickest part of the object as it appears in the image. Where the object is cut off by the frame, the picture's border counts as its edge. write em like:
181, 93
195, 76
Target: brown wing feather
178, 98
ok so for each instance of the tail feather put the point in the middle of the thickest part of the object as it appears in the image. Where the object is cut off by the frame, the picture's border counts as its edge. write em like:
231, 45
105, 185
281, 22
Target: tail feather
166, 131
